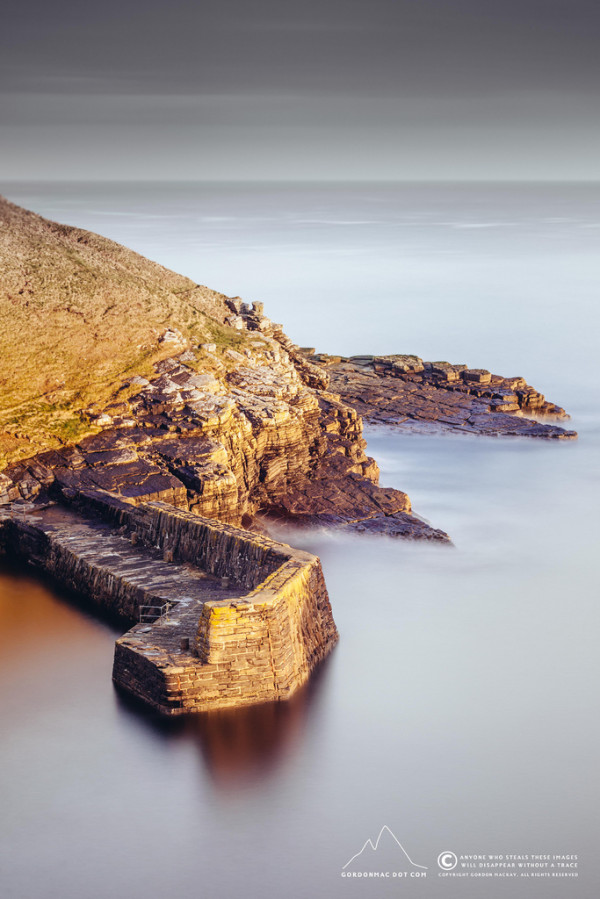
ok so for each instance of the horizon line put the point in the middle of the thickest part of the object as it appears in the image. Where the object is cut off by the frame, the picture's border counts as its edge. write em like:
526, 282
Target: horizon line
234, 180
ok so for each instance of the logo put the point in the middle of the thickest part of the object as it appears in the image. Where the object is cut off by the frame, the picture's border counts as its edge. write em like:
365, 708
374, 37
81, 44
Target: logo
386, 857
447, 861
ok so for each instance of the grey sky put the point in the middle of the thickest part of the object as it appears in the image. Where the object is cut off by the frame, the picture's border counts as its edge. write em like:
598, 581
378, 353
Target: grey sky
346, 89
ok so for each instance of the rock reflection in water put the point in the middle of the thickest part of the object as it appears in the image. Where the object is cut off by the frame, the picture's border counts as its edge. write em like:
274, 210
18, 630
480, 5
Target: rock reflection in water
245, 745
60, 656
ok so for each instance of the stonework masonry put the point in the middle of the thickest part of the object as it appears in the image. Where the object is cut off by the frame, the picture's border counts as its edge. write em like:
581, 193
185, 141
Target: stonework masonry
252, 634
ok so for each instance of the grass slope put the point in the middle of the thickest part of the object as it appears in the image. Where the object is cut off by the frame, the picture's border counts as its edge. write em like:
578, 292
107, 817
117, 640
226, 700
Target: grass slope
79, 314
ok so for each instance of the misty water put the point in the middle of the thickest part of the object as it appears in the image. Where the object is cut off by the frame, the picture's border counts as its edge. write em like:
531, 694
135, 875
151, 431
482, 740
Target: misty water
460, 706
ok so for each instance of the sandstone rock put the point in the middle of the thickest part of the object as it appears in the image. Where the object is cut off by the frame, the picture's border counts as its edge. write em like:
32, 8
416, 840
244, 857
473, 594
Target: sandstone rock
8, 490
359, 360
477, 402
234, 356
235, 304
110, 457
172, 337
264, 435
398, 363
480, 375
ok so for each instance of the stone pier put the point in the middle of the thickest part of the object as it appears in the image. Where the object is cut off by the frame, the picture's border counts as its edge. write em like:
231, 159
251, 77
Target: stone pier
241, 618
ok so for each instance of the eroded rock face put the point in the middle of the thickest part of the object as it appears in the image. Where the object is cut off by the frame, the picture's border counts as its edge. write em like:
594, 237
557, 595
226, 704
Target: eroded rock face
228, 433
404, 390
267, 428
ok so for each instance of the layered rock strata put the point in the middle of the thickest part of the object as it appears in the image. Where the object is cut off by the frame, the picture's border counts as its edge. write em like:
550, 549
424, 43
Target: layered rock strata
251, 635
227, 434
404, 391
221, 418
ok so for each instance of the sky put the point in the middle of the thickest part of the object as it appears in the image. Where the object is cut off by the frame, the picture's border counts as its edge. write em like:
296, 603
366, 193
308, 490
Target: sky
318, 89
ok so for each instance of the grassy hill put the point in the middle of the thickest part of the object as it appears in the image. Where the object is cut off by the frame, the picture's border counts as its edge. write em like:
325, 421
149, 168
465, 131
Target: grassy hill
78, 314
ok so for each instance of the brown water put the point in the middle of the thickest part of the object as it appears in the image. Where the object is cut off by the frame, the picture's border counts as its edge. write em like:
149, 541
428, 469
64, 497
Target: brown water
459, 708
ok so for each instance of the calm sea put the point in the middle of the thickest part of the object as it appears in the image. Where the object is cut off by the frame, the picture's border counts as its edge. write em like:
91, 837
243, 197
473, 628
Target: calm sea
460, 707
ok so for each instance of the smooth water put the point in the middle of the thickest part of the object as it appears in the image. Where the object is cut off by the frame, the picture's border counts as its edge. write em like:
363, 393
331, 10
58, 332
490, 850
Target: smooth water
460, 705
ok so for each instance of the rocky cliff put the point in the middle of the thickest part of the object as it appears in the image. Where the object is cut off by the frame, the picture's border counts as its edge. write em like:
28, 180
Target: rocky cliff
229, 434
146, 423
186, 396
218, 412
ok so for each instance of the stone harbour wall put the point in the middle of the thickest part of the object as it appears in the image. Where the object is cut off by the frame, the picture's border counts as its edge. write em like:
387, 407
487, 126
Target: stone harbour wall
92, 562
258, 649
217, 548
252, 647
250, 618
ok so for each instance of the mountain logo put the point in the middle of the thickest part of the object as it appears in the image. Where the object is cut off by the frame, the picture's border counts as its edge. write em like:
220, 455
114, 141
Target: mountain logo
388, 840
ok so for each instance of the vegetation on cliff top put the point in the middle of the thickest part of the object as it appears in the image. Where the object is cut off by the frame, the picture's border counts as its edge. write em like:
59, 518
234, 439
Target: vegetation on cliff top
79, 314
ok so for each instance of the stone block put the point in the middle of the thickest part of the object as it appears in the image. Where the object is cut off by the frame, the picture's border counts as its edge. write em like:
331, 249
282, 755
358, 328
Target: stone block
477, 375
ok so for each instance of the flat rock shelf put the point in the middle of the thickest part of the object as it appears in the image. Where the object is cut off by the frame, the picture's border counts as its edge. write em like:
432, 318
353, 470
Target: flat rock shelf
404, 391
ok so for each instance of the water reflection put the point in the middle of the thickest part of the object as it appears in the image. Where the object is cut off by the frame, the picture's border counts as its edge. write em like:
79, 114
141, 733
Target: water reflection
239, 747
28, 594
49, 633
